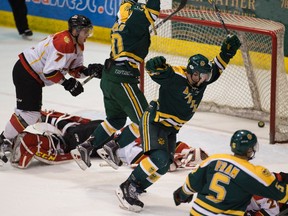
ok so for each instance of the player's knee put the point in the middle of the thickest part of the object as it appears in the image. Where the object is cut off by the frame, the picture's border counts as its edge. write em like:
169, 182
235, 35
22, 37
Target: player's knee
160, 158
116, 123
28, 117
19, 121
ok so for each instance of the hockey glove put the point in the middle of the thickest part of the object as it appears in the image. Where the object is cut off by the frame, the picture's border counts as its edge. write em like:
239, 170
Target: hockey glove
180, 197
229, 47
156, 63
94, 70
73, 86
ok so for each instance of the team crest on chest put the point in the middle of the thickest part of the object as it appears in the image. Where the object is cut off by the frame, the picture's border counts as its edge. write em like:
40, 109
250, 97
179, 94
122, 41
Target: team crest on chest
161, 141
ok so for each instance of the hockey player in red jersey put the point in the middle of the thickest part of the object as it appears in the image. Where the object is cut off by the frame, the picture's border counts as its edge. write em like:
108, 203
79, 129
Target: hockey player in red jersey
51, 141
46, 64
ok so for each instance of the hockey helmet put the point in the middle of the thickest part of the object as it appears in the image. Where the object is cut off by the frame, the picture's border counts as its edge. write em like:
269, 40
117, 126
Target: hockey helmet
80, 22
199, 63
244, 143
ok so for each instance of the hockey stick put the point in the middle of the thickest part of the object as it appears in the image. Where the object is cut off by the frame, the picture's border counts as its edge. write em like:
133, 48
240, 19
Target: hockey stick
219, 15
181, 6
88, 79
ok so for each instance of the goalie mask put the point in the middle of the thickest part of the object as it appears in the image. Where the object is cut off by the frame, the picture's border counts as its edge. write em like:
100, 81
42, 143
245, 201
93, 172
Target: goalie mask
244, 143
199, 64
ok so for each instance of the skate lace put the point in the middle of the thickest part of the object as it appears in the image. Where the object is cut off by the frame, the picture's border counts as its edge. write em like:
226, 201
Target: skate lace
133, 192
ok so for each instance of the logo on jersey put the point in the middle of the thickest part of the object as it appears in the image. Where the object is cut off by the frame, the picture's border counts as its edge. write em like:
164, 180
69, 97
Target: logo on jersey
161, 141
66, 39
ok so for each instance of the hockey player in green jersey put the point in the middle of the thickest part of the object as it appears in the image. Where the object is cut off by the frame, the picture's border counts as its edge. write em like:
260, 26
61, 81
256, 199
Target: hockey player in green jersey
181, 91
130, 41
225, 183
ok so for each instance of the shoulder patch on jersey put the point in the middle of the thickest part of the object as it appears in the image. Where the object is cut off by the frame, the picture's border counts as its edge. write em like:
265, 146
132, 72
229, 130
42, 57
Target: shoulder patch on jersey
266, 172
63, 42
180, 70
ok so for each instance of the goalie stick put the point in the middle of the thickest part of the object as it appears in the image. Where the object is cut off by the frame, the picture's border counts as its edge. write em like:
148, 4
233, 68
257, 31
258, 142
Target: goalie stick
181, 6
219, 15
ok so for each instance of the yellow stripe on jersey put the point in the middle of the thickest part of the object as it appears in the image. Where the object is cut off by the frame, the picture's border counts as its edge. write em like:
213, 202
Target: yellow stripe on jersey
129, 54
187, 189
221, 61
285, 199
169, 120
148, 166
204, 207
37, 60
180, 70
133, 99
154, 12
145, 130
154, 177
134, 129
260, 173
108, 128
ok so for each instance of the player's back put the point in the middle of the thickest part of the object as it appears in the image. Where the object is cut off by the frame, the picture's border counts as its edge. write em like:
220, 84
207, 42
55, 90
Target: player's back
228, 183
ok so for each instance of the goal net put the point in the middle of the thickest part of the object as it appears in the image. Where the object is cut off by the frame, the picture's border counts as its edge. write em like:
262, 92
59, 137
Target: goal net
254, 85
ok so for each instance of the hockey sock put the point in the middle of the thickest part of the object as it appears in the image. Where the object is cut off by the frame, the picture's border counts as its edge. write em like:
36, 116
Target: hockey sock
150, 169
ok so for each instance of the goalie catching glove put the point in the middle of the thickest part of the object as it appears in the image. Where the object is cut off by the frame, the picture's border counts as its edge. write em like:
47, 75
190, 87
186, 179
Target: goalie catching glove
187, 157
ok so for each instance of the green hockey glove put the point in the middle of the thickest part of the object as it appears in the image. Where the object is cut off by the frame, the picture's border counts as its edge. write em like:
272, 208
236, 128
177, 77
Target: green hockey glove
156, 63
180, 197
229, 47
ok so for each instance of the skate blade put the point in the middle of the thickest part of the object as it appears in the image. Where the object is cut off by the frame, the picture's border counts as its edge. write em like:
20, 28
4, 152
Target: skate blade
102, 153
124, 204
76, 156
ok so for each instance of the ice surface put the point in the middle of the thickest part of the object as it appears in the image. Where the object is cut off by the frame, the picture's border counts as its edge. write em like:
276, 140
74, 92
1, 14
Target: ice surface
67, 190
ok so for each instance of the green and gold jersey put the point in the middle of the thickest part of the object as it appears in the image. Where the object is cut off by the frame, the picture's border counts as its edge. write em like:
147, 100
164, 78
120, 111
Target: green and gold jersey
225, 185
130, 36
178, 101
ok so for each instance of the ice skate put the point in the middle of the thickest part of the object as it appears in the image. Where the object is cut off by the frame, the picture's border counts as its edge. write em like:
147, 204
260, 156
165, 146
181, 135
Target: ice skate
108, 153
5, 146
81, 154
127, 194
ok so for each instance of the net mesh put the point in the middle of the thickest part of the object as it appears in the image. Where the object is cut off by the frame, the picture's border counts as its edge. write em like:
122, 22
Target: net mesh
244, 89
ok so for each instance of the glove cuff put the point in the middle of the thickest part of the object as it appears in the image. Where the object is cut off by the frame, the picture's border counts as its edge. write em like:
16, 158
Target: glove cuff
226, 58
222, 60
64, 82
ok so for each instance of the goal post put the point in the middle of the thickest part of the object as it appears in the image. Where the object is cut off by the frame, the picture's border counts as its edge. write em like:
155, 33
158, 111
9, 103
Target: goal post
254, 84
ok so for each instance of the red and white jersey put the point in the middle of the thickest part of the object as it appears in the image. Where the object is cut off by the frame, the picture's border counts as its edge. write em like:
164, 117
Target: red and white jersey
52, 58
263, 206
